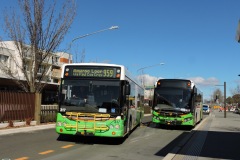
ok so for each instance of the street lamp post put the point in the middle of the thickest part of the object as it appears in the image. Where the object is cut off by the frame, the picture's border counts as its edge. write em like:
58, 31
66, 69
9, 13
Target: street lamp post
225, 112
89, 34
141, 69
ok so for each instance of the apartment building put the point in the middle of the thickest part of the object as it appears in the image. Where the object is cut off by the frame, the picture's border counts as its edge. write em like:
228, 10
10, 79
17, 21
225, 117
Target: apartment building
9, 57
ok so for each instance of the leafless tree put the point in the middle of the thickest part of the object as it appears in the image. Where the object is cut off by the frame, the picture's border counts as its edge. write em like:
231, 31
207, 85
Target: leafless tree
36, 32
236, 90
218, 96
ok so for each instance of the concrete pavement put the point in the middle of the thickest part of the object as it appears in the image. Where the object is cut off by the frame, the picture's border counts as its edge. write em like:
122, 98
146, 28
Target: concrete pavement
25, 129
215, 137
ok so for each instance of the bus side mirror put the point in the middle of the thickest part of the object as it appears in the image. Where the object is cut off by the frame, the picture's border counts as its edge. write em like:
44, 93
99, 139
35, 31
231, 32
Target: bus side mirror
127, 89
195, 91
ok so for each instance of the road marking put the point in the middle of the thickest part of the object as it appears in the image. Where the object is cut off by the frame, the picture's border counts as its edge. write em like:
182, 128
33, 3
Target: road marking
67, 146
22, 158
46, 152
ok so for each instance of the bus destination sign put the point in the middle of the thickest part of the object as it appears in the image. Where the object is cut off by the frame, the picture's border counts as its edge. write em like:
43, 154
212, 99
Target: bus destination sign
92, 72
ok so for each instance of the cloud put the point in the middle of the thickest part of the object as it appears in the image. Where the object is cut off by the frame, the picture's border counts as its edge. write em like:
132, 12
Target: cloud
148, 80
211, 81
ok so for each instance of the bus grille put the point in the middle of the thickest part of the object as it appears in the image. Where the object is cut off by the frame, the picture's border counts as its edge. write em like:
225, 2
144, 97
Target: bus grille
170, 114
82, 119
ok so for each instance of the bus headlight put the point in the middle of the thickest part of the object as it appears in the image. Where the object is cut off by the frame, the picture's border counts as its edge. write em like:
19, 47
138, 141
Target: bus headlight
187, 119
59, 124
117, 126
111, 127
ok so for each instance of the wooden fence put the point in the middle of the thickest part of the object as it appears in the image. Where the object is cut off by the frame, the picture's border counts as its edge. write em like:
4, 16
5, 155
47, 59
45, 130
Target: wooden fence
17, 106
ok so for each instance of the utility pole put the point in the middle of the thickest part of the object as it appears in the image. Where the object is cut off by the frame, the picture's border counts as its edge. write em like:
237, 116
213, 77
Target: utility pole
225, 113
225, 108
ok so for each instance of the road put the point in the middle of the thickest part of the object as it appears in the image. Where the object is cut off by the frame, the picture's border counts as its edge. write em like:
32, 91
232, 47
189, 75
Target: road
145, 142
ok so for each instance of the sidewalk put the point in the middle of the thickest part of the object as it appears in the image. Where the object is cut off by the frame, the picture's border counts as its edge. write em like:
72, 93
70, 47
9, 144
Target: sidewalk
25, 129
215, 137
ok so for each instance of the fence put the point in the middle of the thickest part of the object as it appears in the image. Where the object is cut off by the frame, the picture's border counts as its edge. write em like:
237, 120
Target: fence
16, 106
48, 113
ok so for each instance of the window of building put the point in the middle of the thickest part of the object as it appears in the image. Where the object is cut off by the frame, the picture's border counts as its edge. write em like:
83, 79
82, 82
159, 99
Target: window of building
4, 58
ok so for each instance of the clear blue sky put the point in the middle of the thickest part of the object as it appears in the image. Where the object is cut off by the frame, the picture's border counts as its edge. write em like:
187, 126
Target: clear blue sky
195, 39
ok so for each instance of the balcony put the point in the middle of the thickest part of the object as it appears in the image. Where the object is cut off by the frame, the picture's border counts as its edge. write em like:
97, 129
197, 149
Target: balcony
56, 73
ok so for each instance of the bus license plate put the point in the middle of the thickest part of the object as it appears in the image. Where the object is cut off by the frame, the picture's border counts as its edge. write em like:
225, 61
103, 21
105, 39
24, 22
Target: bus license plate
168, 122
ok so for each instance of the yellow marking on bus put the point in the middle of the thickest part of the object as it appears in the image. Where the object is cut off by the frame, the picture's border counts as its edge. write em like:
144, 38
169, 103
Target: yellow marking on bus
22, 158
46, 152
67, 146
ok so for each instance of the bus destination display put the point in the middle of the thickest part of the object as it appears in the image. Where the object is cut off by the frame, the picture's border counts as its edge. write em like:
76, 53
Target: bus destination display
92, 72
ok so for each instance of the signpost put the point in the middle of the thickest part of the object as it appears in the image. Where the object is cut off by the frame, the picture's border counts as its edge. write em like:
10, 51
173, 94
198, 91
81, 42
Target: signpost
238, 32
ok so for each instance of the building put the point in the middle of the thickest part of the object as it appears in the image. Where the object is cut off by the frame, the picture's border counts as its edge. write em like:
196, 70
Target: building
10, 59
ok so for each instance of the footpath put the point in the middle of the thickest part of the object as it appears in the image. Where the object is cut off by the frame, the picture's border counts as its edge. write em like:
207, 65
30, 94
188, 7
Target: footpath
214, 138
25, 129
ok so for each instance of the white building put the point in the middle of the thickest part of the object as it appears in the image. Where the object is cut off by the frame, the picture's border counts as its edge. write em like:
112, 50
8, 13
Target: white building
12, 60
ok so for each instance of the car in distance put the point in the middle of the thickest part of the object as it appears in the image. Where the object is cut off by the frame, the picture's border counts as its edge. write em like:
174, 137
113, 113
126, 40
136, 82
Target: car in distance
206, 109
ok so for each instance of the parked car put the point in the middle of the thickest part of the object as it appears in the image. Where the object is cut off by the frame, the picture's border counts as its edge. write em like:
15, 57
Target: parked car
206, 109
236, 111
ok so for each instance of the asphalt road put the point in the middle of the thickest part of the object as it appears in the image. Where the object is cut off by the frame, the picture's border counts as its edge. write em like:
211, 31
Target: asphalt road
145, 142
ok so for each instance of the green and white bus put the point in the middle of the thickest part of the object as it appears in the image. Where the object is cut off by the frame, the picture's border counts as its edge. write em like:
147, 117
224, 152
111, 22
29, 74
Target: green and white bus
177, 102
98, 99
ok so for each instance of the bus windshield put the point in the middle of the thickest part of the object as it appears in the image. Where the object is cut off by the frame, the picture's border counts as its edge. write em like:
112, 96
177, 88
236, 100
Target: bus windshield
90, 96
172, 98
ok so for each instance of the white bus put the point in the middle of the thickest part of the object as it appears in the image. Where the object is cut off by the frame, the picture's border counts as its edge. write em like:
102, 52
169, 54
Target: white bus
98, 99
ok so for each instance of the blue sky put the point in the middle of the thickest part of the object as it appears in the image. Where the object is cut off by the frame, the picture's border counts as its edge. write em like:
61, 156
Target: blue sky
194, 38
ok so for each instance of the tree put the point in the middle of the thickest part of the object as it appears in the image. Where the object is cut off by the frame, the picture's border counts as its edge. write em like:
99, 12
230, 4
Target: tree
36, 32
229, 100
236, 90
236, 98
217, 95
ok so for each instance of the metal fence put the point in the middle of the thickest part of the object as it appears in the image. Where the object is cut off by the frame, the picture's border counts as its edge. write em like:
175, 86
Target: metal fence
16, 106
48, 113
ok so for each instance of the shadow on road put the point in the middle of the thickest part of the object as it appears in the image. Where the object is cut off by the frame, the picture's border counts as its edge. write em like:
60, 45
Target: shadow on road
91, 140
218, 145
221, 145
169, 148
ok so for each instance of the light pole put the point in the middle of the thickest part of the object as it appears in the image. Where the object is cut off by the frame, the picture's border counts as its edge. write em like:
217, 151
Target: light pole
89, 34
225, 112
141, 69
